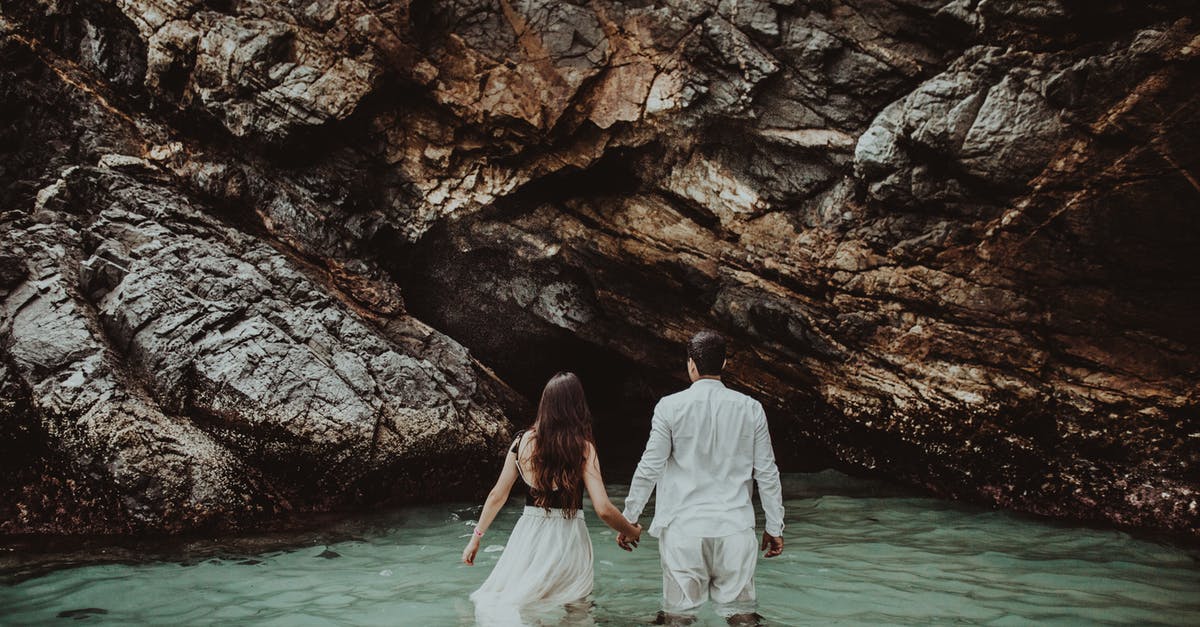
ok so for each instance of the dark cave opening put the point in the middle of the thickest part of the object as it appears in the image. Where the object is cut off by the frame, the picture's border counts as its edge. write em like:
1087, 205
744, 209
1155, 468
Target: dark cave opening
526, 351
476, 297
527, 313
493, 303
481, 298
620, 394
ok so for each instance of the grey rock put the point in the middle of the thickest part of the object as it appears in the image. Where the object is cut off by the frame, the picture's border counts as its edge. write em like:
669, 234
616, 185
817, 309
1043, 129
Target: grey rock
986, 117
263, 71
191, 363
951, 242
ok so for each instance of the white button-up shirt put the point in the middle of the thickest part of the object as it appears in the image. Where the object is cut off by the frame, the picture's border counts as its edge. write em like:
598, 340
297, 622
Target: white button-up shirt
706, 445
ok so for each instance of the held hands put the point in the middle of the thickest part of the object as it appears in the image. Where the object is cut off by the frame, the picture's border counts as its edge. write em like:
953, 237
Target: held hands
773, 545
468, 557
629, 541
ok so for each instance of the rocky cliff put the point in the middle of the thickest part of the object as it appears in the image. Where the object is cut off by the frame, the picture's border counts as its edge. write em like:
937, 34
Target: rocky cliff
262, 257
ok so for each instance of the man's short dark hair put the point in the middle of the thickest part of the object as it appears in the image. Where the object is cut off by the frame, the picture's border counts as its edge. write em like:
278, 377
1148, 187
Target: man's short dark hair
707, 350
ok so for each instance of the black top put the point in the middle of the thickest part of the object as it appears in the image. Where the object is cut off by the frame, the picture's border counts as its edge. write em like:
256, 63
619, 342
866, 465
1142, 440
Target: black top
556, 498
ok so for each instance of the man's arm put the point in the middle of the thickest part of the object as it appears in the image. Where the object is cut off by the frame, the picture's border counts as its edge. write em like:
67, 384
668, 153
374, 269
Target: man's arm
650, 468
766, 475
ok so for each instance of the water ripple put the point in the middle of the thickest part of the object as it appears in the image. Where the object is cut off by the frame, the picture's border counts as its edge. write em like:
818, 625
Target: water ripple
859, 552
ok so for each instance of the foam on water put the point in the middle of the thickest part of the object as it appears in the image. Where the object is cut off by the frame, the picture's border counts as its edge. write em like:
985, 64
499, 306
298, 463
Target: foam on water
858, 553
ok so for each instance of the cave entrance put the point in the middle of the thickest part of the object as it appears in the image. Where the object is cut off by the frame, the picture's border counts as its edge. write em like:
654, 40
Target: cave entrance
620, 393
482, 299
528, 318
495, 284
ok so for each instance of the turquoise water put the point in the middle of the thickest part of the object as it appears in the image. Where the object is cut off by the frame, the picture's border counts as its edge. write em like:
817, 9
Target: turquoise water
858, 552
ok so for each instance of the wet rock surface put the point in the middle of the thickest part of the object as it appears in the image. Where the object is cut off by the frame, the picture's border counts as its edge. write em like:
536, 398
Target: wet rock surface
951, 242
206, 377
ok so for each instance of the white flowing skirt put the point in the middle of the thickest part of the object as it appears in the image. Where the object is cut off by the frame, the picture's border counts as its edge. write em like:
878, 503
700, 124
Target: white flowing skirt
547, 562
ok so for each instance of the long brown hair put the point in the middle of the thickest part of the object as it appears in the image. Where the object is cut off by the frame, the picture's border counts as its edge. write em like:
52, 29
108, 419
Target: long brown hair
564, 429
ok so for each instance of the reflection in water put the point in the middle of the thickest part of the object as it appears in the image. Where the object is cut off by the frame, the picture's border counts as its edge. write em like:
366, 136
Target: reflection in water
858, 552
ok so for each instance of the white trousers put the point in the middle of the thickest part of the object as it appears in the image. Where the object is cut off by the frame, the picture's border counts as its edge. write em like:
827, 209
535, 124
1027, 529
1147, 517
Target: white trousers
696, 569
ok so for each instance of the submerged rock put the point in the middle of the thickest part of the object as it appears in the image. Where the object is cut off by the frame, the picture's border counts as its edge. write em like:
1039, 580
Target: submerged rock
951, 243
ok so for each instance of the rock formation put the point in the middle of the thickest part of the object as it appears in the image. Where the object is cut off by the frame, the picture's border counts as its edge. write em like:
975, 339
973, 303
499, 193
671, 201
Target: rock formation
266, 256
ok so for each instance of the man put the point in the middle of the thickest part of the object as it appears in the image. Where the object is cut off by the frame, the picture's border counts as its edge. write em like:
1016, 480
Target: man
706, 445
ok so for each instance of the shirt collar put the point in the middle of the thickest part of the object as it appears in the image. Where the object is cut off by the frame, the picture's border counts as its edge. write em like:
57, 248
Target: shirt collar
707, 383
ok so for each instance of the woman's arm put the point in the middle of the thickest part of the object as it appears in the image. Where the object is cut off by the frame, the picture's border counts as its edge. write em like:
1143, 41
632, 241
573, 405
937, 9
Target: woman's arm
607, 512
495, 500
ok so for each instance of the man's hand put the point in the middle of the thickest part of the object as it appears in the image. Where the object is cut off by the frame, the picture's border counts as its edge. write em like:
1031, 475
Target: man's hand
468, 557
630, 542
773, 545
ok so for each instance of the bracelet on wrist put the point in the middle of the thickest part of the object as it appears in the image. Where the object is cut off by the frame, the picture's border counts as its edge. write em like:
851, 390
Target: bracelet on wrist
477, 533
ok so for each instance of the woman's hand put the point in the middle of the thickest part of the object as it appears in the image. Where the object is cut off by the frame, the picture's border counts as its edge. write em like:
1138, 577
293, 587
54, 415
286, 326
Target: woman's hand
468, 557
629, 540
495, 500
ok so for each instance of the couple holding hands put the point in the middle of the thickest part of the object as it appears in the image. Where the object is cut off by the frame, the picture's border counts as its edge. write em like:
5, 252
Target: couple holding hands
707, 445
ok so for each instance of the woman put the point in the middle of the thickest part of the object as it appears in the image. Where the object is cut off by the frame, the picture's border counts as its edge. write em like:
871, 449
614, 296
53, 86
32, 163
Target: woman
548, 559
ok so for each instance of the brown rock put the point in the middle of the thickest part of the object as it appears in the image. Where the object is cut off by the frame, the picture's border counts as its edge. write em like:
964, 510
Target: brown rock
951, 242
